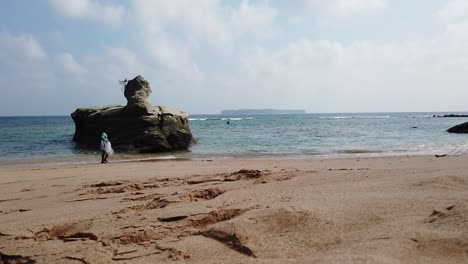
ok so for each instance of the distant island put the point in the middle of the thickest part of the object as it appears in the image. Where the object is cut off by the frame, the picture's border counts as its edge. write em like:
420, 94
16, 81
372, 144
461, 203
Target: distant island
261, 112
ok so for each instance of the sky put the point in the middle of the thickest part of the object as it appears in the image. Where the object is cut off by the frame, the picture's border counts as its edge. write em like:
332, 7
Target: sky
208, 55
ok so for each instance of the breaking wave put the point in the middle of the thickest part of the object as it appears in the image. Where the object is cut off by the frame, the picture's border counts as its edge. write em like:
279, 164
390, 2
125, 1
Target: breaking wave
351, 117
221, 118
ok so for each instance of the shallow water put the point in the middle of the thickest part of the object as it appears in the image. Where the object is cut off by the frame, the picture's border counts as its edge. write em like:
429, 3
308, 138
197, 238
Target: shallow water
50, 138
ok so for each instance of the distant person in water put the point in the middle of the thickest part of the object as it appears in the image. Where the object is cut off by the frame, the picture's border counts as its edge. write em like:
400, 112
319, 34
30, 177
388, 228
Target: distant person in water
229, 121
106, 147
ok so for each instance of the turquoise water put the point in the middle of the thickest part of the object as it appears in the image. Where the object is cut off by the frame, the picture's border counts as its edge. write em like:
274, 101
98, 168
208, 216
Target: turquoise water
50, 138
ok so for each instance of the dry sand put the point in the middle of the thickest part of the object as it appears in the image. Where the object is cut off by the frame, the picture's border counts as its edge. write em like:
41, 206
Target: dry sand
366, 210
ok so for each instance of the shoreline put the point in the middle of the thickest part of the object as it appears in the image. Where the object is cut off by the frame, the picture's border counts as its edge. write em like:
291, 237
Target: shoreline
355, 210
266, 137
136, 157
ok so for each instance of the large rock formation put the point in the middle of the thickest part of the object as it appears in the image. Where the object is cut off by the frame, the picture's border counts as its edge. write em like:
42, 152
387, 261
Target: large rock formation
462, 128
139, 126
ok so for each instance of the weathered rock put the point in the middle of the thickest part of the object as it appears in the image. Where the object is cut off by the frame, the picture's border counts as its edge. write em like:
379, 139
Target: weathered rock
451, 115
462, 128
138, 126
137, 92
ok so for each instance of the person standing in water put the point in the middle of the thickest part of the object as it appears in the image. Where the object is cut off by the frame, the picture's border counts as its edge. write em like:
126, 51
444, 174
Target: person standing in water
104, 142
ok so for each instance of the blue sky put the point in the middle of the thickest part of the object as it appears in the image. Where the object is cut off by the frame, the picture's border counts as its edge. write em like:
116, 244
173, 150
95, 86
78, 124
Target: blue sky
208, 55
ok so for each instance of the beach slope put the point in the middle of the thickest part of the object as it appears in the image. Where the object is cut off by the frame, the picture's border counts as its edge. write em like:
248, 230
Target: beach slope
359, 210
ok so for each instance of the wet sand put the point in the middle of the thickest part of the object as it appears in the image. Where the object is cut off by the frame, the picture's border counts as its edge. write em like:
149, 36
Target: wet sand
359, 210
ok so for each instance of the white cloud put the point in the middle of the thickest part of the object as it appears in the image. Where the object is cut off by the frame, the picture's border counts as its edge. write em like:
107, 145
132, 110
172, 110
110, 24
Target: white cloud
245, 55
24, 72
68, 63
171, 32
114, 64
338, 8
454, 10
93, 9
207, 21
365, 76
256, 20
194, 22
345, 8
22, 57
167, 34
172, 58
22, 46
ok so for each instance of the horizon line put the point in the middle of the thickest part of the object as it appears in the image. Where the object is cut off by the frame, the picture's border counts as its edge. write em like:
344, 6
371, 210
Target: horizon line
219, 113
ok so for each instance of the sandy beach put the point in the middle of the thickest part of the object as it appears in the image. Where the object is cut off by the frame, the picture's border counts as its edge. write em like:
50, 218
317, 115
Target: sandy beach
354, 210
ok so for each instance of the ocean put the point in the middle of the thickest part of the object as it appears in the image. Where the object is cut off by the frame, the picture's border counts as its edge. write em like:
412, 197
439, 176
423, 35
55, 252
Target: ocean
48, 139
